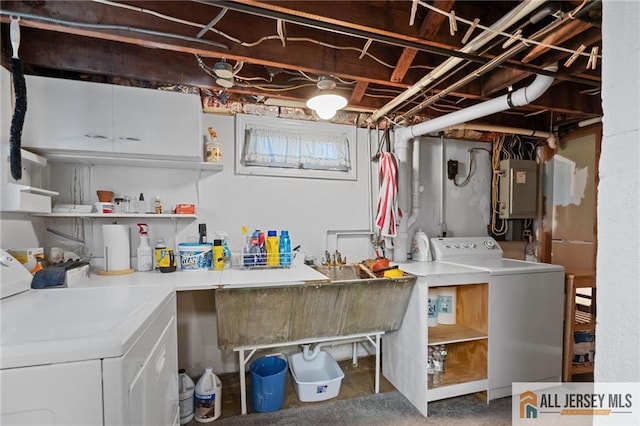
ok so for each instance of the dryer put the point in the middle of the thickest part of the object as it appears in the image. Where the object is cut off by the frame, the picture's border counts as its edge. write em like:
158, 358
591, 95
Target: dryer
526, 311
86, 356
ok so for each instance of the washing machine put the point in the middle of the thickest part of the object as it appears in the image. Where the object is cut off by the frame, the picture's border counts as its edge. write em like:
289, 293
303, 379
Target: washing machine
86, 356
526, 311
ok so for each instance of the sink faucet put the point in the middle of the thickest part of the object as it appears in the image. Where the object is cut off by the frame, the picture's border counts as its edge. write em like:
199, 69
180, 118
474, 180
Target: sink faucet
333, 260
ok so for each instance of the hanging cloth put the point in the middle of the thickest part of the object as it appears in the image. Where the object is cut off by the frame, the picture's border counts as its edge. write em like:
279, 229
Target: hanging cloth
388, 212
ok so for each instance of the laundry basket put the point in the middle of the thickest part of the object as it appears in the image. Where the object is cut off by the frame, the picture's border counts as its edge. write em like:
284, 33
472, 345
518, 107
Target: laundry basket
268, 376
317, 379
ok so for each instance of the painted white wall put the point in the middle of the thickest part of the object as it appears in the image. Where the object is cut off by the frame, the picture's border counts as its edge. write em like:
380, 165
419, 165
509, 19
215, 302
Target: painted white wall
618, 260
467, 208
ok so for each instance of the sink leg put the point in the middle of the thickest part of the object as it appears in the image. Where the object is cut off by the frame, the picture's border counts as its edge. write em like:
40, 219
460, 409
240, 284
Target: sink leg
354, 354
243, 384
377, 386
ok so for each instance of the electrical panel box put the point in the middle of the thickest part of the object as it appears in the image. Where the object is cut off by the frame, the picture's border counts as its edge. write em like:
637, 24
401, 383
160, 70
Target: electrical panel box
518, 189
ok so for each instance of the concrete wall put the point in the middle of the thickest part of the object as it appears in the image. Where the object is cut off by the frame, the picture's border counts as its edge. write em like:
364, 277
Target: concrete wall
618, 259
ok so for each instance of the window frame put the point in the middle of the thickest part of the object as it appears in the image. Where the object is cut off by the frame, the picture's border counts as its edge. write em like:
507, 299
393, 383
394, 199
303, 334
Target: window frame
243, 120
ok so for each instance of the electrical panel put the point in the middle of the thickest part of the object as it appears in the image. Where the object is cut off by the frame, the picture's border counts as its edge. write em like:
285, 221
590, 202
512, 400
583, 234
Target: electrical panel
518, 189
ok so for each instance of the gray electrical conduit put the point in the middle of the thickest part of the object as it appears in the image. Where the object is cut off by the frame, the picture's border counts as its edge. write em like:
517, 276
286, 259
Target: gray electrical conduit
520, 97
33, 17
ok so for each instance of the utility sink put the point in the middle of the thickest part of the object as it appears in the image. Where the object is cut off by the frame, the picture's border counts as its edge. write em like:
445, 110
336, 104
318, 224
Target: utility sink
344, 272
352, 301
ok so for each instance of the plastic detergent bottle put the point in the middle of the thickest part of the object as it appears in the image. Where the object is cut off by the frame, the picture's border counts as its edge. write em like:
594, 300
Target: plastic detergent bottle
145, 254
218, 255
225, 248
208, 397
285, 248
254, 249
273, 249
262, 242
186, 389
160, 251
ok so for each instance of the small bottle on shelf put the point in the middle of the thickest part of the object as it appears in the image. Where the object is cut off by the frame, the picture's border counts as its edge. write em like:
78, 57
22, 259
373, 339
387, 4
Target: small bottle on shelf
158, 205
142, 207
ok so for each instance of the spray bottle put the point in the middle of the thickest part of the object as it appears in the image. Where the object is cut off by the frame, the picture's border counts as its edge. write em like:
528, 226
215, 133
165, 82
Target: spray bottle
226, 251
145, 253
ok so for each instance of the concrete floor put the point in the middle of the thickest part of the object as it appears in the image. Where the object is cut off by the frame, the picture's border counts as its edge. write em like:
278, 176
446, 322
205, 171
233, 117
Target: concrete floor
358, 380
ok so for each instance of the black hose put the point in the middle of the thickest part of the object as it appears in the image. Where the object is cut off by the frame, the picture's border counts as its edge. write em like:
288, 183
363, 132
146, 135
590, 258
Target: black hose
17, 122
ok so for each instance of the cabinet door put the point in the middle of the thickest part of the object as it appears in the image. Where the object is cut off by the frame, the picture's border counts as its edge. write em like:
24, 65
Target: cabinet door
68, 115
154, 122
6, 106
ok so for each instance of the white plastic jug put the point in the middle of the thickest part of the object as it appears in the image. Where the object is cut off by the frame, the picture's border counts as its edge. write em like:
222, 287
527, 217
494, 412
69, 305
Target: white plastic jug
208, 397
186, 389
420, 247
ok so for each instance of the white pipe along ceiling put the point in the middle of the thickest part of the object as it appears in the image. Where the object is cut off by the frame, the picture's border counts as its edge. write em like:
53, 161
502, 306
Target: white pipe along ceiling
520, 97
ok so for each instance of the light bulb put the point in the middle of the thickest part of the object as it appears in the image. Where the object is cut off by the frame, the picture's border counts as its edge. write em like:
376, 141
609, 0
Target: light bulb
326, 105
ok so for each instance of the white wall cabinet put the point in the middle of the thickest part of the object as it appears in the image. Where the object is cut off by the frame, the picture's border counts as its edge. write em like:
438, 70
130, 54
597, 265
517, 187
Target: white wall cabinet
68, 115
153, 122
78, 116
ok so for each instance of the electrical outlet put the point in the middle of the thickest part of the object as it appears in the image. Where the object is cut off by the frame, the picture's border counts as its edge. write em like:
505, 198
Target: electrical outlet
452, 169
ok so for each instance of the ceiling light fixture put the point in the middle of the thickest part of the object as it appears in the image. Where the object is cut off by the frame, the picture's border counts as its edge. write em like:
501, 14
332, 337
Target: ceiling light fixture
326, 102
225, 82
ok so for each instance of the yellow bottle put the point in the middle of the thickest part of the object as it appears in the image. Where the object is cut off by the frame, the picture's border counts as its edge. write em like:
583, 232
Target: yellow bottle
218, 255
273, 254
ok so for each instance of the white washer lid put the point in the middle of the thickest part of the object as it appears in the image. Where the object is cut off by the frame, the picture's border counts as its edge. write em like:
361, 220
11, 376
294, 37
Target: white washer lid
63, 325
505, 266
439, 273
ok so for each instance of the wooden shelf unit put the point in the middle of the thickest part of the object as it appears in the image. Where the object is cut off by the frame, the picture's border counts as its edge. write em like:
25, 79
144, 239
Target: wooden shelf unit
467, 340
577, 319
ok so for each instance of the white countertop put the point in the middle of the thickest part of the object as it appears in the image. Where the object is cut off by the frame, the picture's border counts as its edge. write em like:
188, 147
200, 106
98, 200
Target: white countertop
206, 280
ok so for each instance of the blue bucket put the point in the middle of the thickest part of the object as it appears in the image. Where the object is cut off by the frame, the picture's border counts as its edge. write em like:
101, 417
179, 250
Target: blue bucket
268, 380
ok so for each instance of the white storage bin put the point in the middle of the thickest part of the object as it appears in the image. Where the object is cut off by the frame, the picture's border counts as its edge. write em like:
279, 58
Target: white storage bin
315, 380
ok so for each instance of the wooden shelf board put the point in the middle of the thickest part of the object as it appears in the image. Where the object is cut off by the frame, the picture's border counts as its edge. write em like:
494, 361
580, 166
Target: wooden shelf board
582, 368
462, 376
443, 334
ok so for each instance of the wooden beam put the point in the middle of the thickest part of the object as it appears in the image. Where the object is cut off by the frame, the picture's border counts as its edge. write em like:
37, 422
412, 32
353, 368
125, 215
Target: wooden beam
358, 92
505, 77
430, 26
558, 37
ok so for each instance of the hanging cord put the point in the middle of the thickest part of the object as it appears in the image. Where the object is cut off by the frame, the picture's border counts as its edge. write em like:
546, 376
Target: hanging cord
471, 162
385, 138
498, 226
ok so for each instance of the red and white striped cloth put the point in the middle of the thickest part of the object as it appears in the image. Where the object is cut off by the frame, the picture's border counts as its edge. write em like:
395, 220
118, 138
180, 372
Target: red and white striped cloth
388, 213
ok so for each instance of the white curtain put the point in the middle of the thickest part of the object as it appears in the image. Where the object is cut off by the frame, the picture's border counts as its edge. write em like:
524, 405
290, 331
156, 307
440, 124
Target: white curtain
270, 147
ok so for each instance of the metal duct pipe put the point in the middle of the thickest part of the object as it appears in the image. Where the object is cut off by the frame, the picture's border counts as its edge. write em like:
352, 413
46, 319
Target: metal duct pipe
520, 97
522, 10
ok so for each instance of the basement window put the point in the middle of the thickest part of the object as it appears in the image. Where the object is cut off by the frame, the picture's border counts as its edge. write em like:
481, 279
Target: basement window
279, 147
